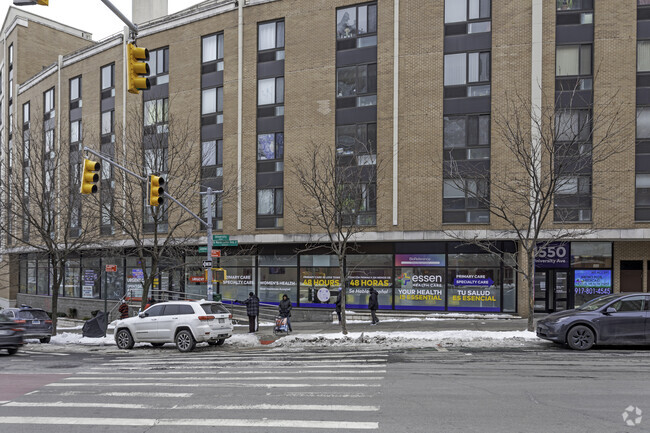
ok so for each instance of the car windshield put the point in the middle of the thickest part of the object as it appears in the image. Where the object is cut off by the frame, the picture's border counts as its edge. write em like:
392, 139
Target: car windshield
595, 304
32, 314
215, 309
4, 318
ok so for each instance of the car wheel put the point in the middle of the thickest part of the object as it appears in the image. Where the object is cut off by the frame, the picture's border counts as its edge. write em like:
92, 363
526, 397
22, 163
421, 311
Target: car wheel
123, 339
581, 338
12, 351
45, 340
221, 341
185, 341
157, 344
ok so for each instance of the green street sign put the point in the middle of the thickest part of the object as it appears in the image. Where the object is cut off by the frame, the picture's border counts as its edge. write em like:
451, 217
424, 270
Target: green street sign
225, 243
203, 250
220, 238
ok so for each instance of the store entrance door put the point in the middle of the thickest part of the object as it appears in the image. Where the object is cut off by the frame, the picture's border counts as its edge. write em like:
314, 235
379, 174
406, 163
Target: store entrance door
551, 290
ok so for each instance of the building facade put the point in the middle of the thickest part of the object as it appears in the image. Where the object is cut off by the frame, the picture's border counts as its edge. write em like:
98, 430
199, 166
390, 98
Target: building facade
415, 84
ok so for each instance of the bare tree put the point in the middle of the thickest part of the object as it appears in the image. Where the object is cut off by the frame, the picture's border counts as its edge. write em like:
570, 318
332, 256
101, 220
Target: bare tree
42, 207
339, 198
551, 155
167, 146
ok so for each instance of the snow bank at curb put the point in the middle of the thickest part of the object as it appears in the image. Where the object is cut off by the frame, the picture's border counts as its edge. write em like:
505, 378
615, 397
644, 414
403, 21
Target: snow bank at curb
414, 339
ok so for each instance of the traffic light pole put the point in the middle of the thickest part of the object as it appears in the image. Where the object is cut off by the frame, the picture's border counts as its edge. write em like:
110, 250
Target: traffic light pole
207, 224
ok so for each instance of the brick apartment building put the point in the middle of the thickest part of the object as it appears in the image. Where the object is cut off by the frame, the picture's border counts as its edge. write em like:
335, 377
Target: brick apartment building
256, 82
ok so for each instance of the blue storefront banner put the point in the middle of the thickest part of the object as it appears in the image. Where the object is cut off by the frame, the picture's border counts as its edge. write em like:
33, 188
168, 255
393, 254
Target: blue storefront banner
553, 255
473, 281
593, 282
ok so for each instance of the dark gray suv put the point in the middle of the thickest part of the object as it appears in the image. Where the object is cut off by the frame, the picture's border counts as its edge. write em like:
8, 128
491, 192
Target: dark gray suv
36, 322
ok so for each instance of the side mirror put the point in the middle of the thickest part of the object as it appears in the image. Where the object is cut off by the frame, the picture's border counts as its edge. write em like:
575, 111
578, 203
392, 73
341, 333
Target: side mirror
142, 315
610, 310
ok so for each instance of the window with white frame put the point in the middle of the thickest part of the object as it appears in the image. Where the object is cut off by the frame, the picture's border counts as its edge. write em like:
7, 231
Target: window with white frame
212, 50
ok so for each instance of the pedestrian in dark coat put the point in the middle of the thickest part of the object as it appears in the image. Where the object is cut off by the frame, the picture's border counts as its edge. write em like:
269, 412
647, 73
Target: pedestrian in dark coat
338, 303
252, 310
373, 304
285, 310
123, 309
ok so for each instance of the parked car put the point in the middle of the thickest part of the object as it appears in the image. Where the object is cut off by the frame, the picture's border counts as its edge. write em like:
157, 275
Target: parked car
184, 323
11, 335
621, 318
36, 322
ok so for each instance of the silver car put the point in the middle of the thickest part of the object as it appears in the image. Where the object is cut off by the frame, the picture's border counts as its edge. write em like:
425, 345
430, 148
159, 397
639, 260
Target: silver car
183, 323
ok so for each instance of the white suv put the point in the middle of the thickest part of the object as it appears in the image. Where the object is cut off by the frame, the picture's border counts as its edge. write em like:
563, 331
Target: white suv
181, 322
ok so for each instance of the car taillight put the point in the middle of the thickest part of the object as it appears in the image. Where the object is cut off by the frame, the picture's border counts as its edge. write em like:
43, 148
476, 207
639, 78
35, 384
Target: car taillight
230, 316
206, 317
20, 322
49, 322
18, 329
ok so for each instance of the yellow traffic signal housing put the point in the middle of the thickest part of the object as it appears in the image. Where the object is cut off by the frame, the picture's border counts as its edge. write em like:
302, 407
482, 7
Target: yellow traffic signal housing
219, 275
31, 2
138, 70
89, 176
156, 192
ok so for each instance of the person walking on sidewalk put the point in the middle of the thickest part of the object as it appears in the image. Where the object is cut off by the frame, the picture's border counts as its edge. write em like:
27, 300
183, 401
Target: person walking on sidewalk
338, 303
285, 310
252, 310
123, 309
373, 304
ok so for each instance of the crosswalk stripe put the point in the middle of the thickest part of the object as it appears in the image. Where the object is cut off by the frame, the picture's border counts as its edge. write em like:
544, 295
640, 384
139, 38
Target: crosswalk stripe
30, 352
177, 355
111, 372
213, 367
256, 361
296, 407
246, 358
231, 378
224, 385
143, 422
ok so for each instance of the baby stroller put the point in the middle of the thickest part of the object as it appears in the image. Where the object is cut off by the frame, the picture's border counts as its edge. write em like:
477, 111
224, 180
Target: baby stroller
281, 325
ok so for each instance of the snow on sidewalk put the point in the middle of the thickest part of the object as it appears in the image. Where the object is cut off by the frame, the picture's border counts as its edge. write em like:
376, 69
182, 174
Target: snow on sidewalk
73, 342
415, 339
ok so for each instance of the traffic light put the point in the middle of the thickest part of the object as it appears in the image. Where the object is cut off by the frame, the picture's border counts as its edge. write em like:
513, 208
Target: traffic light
219, 275
31, 2
138, 70
89, 176
156, 192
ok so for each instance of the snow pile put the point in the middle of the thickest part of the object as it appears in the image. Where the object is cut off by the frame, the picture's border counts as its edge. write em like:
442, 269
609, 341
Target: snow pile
415, 339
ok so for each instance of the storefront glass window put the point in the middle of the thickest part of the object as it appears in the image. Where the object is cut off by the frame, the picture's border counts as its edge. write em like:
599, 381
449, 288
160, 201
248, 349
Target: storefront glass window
509, 289
113, 276
377, 260
22, 280
72, 282
42, 277
240, 277
473, 289
31, 276
90, 273
278, 276
359, 281
420, 281
195, 283
591, 255
135, 276
312, 280
590, 284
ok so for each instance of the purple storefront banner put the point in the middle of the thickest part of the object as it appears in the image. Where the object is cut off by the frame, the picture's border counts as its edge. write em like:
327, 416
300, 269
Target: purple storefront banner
553, 255
420, 260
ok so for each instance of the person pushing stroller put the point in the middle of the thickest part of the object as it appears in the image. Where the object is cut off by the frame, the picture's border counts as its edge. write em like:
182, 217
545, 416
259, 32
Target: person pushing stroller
285, 310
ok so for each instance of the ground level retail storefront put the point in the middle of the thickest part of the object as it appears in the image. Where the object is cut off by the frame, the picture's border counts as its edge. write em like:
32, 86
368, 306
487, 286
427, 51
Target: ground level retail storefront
426, 276
568, 274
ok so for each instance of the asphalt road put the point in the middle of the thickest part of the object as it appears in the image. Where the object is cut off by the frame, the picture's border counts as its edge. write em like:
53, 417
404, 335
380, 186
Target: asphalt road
270, 390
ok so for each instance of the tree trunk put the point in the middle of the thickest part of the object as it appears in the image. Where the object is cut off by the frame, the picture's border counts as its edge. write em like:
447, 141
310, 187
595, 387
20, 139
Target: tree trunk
55, 295
530, 281
344, 327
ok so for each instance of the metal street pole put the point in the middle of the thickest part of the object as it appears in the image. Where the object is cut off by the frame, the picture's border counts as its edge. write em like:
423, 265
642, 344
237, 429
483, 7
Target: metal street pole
121, 16
209, 241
